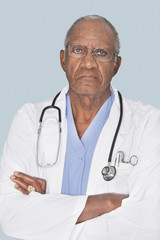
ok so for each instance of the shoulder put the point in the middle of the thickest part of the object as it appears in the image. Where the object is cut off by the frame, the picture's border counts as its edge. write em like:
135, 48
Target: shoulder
138, 115
136, 109
145, 120
141, 111
32, 111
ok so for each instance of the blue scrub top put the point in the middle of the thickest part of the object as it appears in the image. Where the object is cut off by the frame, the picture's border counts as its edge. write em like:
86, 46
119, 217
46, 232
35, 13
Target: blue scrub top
79, 152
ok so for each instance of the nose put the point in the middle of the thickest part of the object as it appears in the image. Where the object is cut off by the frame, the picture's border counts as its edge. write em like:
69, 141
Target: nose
88, 61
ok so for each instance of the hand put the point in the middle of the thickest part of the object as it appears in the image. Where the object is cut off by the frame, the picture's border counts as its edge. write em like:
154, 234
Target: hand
23, 180
97, 205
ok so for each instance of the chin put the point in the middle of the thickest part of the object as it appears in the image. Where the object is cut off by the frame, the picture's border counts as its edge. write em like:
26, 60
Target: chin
85, 90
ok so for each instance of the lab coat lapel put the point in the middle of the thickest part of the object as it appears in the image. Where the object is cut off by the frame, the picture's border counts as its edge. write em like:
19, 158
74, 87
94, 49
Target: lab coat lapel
50, 144
100, 157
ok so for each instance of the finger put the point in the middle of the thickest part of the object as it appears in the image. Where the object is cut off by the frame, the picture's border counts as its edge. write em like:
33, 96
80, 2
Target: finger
20, 182
22, 190
23, 185
23, 176
42, 183
29, 180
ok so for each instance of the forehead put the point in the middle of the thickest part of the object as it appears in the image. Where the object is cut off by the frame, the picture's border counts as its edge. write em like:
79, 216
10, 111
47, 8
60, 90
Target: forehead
92, 34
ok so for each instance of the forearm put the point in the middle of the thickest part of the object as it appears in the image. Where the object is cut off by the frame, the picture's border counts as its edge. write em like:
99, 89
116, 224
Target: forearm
97, 205
39, 216
131, 221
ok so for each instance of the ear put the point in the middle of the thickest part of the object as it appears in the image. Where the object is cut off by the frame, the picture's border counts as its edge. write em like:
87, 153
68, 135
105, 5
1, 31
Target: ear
117, 65
62, 59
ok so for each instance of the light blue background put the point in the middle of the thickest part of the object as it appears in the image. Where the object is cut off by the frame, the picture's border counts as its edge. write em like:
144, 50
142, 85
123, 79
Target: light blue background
32, 33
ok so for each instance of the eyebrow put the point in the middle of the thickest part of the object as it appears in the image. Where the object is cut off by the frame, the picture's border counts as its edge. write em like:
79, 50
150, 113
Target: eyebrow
99, 47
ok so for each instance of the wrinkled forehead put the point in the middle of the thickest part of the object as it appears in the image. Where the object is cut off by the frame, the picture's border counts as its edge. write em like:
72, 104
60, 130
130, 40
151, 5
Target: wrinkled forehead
90, 30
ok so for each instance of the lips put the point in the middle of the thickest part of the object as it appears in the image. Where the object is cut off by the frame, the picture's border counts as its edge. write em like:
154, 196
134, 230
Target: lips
89, 77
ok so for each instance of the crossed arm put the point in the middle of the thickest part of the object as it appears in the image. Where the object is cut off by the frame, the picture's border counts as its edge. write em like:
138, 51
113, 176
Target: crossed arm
96, 205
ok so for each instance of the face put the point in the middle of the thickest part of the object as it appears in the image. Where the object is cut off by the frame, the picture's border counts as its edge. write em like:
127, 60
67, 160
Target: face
87, 76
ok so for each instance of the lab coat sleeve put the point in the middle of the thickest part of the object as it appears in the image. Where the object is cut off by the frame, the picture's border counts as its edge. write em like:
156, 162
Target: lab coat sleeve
34, 216
139, 216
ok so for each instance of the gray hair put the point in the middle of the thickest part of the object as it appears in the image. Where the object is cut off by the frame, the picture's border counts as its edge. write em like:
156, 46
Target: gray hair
98, 18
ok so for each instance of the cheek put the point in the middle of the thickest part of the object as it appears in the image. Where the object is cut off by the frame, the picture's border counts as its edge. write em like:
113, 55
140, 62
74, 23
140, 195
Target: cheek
71, 69
106, 74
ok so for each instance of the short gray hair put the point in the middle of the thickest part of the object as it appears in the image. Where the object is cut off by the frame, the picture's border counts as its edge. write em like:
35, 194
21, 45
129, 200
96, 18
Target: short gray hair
97, 18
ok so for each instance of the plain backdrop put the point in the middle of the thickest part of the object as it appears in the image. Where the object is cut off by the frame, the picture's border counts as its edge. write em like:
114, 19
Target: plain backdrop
32, 33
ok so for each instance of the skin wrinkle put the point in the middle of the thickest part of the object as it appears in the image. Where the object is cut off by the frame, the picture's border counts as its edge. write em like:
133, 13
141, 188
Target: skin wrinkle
89, 87
102, 20
89, 79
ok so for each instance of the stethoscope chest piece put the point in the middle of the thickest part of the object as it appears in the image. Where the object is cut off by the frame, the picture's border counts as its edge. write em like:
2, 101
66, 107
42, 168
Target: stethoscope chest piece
108, 173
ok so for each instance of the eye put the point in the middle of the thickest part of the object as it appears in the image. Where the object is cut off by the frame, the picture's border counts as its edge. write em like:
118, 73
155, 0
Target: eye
101, 52
77, 49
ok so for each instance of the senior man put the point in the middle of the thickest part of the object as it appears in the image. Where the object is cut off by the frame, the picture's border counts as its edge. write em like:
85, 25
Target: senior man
89, 191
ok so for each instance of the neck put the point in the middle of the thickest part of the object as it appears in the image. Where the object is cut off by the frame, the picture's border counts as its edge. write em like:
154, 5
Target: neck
85, 107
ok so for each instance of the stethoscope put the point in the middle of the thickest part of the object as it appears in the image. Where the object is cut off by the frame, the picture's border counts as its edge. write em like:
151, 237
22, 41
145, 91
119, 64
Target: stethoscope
52, 106
109, 171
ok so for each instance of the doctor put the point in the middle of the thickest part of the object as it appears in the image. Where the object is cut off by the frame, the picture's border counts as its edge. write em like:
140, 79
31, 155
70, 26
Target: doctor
72, 199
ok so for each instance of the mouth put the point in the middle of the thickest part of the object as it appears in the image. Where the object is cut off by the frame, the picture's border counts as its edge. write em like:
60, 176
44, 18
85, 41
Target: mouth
87, 77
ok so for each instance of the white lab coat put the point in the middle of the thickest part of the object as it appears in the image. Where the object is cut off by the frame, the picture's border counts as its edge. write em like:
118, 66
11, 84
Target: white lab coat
53, 216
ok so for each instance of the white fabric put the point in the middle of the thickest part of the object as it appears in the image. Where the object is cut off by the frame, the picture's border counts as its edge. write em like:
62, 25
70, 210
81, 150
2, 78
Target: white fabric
53, 216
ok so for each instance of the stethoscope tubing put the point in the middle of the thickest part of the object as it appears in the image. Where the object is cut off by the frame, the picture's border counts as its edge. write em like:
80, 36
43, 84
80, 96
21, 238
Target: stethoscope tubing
118, 127
59, 122
52, 106
39, 132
